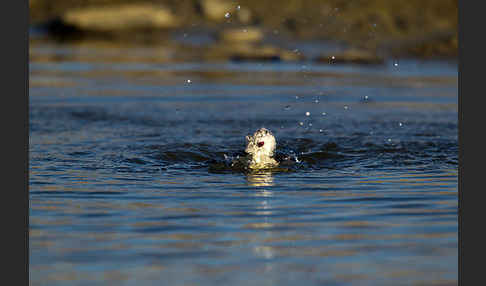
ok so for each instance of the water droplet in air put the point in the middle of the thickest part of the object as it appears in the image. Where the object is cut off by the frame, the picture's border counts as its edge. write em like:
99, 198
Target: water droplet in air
333, 57
227, 15
320, 130
310, 124
400, 124
324, 114
238, 7
346, 107
395, 63
366, 97
301, 123
307, 113
189, 81
296, 97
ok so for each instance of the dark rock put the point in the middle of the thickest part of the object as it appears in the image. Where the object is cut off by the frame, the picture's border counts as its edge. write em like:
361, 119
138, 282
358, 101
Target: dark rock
251, 52
351, 56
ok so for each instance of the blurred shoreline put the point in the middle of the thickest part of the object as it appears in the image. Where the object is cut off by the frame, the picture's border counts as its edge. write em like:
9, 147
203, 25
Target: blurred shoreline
365, 32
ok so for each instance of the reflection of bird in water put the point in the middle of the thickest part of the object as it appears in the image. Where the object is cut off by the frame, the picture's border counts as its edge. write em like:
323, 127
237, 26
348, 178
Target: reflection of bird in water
260, 149
261, 178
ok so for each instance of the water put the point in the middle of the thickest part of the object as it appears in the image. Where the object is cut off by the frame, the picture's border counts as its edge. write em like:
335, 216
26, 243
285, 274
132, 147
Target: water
123, 189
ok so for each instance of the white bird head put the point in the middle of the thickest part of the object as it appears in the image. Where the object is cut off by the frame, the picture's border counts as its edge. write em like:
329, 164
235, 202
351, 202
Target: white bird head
262, 143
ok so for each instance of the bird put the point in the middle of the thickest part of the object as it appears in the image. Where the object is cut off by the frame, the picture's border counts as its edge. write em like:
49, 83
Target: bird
260, 149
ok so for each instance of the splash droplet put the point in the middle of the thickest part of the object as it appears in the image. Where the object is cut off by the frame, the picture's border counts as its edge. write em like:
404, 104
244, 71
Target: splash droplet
307, 113
227, 15
310, 124
400, 124
239, 7
346, 107
189, 81
324, 114
301, 123
320, 130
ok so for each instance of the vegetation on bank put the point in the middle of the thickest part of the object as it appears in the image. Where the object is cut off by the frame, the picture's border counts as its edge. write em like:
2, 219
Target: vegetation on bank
400, 28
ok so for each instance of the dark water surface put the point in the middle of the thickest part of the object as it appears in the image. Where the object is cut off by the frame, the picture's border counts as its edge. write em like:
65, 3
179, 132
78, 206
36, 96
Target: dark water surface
122, 191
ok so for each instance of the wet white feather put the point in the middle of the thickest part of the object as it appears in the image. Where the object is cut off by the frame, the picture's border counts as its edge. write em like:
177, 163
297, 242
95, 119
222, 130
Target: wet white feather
261, 156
